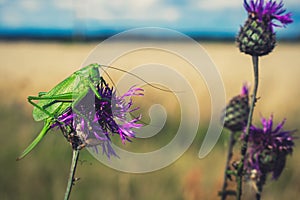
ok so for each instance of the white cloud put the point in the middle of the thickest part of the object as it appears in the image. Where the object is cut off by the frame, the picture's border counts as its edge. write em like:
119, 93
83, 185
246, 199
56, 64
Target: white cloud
30, 5
118, 9
11, 19
223, 4
65, 5
218, 4
19, 13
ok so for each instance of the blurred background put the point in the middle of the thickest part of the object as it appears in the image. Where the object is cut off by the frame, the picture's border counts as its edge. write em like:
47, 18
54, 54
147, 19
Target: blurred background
94, 19
43, 42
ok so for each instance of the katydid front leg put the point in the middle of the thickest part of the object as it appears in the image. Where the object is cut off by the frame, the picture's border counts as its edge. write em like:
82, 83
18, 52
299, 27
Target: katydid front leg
42, 94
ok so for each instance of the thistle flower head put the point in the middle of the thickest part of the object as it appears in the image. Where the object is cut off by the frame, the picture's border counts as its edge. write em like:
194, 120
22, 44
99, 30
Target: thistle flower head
268, 148
257, 36
93, 121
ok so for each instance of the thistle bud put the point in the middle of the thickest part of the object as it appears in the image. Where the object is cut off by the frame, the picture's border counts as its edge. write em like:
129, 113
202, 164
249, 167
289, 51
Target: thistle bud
237, 111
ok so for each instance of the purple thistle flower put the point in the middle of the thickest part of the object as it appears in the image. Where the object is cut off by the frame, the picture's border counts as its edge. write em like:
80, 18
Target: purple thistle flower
256, 36
112, 110
245, 90
96, 120
268, 148
268, 12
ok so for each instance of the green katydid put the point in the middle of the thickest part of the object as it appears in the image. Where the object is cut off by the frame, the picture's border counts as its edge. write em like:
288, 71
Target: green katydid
64, 95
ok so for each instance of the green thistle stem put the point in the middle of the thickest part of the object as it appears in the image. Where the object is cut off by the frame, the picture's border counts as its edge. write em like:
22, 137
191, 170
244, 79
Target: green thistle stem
72, 173
229, 156
249, 122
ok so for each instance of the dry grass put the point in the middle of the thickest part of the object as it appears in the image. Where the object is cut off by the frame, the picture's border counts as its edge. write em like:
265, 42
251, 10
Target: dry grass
27, 68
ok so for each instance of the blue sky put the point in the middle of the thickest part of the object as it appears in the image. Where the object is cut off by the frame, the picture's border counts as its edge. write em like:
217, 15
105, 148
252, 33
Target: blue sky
210, 17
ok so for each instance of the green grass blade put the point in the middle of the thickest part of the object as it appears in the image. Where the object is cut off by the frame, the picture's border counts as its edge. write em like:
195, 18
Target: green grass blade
43, 132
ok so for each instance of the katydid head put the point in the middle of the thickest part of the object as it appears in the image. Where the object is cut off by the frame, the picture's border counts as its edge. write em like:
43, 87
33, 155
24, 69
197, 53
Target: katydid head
94, 73
91, 71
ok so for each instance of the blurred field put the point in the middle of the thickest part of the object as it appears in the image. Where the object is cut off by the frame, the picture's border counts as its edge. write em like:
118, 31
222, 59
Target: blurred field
29, 67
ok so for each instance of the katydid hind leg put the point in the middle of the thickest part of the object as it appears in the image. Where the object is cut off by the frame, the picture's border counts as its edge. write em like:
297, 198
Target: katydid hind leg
41, 135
